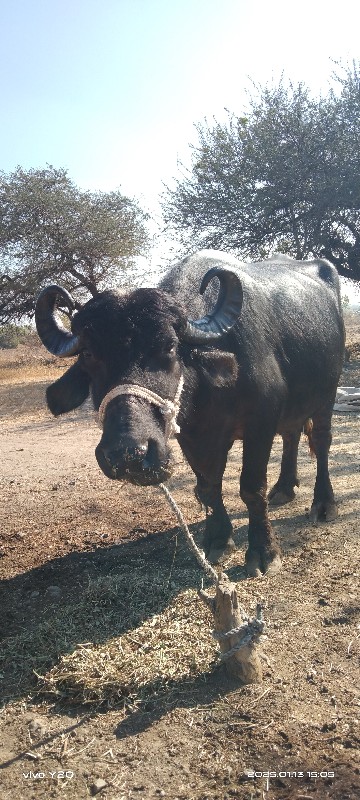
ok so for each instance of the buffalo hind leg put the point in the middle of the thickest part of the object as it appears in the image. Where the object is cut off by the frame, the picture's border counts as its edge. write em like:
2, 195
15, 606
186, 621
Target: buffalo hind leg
283, 490
323, 506
263, 553
218, 539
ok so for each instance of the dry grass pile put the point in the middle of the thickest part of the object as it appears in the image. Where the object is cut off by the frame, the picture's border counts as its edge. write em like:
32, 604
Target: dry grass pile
128, 636
169, 647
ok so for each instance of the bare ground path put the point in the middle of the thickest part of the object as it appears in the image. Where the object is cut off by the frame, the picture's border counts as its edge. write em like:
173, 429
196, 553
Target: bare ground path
86, 563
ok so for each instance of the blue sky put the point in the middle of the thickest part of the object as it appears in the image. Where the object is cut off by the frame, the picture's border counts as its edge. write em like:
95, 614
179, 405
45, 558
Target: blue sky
111, 89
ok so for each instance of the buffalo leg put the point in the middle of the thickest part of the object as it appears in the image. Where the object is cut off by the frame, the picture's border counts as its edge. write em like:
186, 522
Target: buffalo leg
283, 490
323, 506
263, 554
218, 528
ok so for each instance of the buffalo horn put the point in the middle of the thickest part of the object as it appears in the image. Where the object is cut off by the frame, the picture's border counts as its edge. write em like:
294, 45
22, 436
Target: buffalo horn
226, 312
53, 335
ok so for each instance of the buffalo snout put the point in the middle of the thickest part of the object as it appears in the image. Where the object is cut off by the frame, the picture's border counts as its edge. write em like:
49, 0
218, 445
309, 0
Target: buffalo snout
137, 463
133, 446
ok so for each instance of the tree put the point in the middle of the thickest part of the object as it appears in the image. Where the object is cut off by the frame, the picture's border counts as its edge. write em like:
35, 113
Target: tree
284, 176
52, 232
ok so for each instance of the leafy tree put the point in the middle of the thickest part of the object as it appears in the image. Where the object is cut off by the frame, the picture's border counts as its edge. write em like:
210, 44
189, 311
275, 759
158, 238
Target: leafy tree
286, 176
12, 335
51, 232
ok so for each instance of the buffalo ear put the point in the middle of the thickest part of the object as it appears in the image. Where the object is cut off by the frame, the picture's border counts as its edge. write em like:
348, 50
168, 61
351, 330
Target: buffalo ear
69, 391
219, 369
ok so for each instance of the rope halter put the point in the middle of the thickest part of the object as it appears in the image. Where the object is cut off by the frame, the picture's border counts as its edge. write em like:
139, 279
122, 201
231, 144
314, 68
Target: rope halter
169, 408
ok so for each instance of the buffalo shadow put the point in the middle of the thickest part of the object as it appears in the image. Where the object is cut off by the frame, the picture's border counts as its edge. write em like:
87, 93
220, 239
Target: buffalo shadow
87, 596
53, 608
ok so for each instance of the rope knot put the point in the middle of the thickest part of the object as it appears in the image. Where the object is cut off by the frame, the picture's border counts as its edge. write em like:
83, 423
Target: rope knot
169, 408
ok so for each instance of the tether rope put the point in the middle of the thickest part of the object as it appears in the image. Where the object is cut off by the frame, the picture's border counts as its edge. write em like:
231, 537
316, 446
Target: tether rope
210, 571
250, 630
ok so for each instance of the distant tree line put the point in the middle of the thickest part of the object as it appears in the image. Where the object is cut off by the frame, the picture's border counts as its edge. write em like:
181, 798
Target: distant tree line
53, 232
284, 176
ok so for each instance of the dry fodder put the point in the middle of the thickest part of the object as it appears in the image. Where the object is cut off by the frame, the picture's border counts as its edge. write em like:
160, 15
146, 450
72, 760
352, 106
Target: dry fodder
169, 647
127, 637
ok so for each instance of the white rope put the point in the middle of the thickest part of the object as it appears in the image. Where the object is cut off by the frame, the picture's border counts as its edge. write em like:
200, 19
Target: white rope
254, 635
169, 408
250, 630
241, 629
210, 571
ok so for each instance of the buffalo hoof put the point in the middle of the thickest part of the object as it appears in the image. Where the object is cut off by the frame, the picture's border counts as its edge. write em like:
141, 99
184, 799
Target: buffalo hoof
258, 563
279, 497
323, 511
218, 553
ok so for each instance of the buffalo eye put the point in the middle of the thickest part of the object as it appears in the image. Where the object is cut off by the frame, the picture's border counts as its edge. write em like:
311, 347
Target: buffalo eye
164, 355
170, 349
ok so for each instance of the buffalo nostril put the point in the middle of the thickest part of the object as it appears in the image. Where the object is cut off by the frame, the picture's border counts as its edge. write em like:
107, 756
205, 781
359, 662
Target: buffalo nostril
136, 453
125, 456
151, 456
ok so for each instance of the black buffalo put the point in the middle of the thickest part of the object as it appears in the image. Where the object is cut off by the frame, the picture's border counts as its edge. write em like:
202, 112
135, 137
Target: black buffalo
245, 350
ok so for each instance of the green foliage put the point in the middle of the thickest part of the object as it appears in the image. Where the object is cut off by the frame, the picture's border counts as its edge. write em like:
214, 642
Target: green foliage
286, 176
52, 232
12, 335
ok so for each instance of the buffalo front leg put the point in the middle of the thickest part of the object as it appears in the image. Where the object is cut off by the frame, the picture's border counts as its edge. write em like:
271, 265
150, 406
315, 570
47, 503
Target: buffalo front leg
283, 490
263, 553
218, 539
323, 506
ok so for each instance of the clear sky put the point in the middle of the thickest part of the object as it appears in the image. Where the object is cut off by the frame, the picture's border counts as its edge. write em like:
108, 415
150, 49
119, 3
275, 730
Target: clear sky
111, 89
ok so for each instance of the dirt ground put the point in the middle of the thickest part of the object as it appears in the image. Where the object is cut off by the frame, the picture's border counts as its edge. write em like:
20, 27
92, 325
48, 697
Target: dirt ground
65, 529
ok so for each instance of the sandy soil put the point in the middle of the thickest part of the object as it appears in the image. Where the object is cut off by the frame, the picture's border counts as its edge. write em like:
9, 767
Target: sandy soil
63, 526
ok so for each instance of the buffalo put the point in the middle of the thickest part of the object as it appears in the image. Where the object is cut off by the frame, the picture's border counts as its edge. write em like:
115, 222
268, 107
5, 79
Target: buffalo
219, 351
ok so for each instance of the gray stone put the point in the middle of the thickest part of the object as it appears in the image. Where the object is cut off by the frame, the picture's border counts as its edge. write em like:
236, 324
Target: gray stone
98, 786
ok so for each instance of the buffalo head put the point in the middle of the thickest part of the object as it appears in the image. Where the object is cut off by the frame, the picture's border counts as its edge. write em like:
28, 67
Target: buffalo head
135, 352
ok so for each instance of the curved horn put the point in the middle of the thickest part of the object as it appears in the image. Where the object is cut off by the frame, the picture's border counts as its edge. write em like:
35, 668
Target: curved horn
226, 312
53, 335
